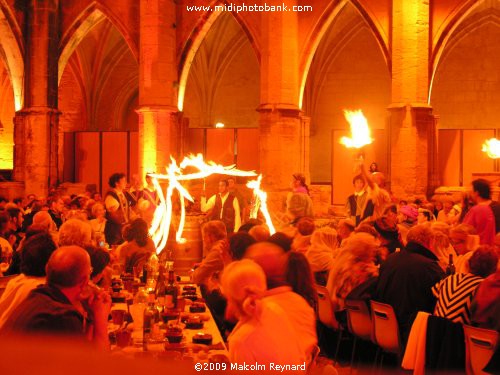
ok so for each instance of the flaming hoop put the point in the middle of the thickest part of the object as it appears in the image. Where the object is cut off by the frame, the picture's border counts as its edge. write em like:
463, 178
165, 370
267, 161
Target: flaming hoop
160, 227
492, 148
360, 131
260, 203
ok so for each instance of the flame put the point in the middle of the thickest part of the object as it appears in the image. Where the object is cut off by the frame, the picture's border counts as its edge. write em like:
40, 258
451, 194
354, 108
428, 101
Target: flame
360, 131
160, 227
260, 203
492, 148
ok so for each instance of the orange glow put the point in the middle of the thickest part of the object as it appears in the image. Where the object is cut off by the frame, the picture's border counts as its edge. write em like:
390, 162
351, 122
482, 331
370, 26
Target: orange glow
260, 203
360, 131
492, 148
160, 227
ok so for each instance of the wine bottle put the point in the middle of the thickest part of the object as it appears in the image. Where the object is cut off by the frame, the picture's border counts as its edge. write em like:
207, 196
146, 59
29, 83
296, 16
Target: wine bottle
450, 269
171, 290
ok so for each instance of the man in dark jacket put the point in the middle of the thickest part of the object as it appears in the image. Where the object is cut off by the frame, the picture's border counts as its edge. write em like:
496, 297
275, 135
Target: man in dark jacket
55, 308
406, 279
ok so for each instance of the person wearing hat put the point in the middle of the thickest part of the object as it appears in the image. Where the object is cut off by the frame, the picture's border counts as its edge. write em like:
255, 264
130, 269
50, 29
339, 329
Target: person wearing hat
408, 216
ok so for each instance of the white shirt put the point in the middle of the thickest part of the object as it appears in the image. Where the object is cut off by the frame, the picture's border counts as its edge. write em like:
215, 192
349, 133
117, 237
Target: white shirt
268, 337
208, 205
300, 314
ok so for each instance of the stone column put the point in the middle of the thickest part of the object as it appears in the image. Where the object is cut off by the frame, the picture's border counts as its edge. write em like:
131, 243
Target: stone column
157, 110
35, 134
281, 127
411, 118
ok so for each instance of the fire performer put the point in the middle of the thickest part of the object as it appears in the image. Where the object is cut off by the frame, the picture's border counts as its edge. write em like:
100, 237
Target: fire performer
358, 202
223, 206
118, 212
378, 198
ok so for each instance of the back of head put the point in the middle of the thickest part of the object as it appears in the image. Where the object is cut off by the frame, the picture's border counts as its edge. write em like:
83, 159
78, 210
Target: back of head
36, 252
75, 232
68, 266
249, 225
305, 226
482, 187
137, 230
366, 227
420, 234
43, 219
259, 232
484, 261
238, 244
273, 261
99, 259
300, 277
243, 282
282, 240
441, 227
325, 237
216, 229
361, 246
348, 224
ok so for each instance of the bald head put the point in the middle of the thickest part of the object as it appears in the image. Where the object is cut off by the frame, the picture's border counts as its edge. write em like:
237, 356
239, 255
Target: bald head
272, 259
43, 219
68, 266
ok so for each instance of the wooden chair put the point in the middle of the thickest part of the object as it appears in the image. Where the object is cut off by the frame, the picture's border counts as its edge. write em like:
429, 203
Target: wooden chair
480, 344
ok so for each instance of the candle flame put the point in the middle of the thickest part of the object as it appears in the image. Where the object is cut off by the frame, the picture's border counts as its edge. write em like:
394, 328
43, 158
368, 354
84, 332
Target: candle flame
360, 131
492, 148
260, 203
160, 226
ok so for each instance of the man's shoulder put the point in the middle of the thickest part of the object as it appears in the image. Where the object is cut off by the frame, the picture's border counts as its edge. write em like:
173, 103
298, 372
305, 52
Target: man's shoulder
43, 309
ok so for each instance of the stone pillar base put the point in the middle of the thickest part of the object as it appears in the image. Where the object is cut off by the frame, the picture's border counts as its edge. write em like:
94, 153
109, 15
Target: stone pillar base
412, 131
283, 142
36, 149
158, 128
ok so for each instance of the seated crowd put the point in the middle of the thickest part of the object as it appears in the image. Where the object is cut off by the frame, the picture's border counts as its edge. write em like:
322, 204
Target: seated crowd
260, 288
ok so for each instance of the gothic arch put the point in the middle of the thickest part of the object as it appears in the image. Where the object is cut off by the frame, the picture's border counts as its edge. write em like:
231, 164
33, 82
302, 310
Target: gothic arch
195, 40
446, 36
90, 17
12, 51
326, 20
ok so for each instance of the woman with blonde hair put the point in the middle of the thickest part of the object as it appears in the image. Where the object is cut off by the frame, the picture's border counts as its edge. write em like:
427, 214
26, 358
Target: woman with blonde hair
320, 253
264, 333
354, 266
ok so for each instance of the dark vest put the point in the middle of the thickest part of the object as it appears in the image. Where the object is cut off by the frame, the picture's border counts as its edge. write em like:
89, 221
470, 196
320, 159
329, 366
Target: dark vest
115, 220
227, 211
368, 211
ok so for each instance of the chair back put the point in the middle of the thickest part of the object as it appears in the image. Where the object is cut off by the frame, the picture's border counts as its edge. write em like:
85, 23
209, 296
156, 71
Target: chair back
385, 327
359, 319
325, 308
480, 344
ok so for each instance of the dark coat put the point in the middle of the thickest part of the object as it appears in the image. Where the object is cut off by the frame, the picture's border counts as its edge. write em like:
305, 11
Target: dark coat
405, 283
